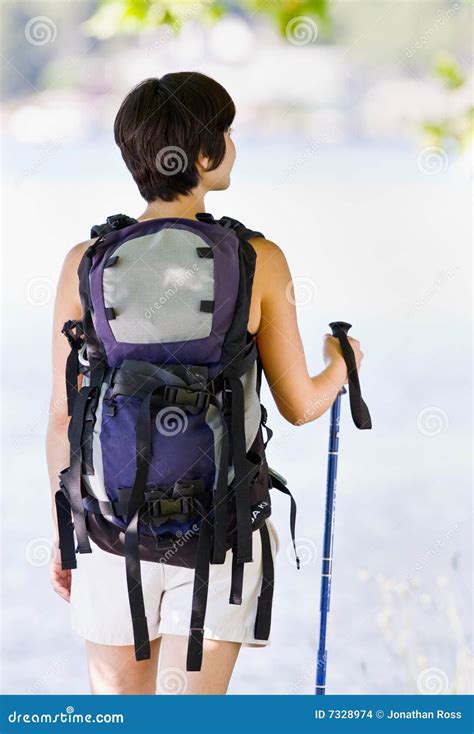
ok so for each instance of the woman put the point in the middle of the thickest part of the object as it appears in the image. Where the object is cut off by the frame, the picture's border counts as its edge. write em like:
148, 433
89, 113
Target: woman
175, 137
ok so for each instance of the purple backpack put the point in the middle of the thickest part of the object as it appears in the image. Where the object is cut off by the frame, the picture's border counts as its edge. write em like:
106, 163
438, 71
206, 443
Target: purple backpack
167, 459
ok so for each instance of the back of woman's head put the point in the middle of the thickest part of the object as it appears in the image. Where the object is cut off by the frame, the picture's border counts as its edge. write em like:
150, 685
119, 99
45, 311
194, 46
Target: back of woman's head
164, 125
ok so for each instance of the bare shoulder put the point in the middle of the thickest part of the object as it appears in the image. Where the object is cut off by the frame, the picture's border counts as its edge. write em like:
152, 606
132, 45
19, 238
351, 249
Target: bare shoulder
272, 273
73, 258
75, 254
68, 285
269, 255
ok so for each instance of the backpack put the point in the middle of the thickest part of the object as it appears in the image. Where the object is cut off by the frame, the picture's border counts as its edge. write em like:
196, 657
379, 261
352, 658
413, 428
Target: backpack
167, 451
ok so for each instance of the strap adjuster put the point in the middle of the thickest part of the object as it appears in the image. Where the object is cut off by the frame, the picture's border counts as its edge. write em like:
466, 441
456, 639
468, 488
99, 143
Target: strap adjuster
75, 339
118, 221
198, 399
170, 507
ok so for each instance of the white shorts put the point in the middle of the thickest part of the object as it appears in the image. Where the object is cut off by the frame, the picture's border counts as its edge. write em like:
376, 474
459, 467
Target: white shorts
100, 609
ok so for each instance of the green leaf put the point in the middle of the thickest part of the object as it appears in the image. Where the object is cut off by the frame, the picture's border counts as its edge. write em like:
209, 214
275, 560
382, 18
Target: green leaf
448, 71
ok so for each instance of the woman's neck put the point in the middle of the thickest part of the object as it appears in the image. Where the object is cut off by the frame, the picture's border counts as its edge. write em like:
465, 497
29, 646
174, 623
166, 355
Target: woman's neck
184, 207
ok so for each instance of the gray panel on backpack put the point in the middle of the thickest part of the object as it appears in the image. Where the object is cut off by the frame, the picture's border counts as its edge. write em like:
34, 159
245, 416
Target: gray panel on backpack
156, 287
253, 416
95, 483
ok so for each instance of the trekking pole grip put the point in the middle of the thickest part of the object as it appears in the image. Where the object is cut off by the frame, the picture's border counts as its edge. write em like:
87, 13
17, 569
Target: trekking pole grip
337, 326
359, 410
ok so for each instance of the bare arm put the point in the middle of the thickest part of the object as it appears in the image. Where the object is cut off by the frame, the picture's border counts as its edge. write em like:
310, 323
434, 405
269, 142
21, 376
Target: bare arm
67, 306
299, 397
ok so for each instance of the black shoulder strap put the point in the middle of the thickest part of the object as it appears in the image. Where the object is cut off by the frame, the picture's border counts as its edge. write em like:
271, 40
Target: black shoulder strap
240, 229
115, 221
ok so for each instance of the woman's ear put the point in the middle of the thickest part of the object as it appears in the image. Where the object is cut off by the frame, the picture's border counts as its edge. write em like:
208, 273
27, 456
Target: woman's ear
203, 163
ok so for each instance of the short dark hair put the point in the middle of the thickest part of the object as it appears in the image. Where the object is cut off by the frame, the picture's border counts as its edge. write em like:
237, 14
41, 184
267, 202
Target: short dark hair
164, 124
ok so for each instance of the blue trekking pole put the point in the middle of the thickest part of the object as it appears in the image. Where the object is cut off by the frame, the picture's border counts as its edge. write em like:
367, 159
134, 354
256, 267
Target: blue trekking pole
362, 420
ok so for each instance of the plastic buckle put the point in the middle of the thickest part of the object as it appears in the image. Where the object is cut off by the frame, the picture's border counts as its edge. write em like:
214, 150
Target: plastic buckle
187, 397
168, 507
75, 342
117, 221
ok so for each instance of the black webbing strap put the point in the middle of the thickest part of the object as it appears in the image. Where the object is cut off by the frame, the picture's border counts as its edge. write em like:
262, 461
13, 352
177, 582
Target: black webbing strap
74, 482
242, 363
264, 424
131, 546
73, 331
66, 531
242, 469
277, 483
219, 547
143, 452
135, 590
359, 410
240, 229
199, 603
264, 607
237, 579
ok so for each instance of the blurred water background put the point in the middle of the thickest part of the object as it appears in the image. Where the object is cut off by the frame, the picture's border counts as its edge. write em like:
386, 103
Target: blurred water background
375, 221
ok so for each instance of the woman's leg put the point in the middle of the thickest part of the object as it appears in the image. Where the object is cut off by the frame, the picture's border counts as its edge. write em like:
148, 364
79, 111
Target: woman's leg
114, 670
218, 663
